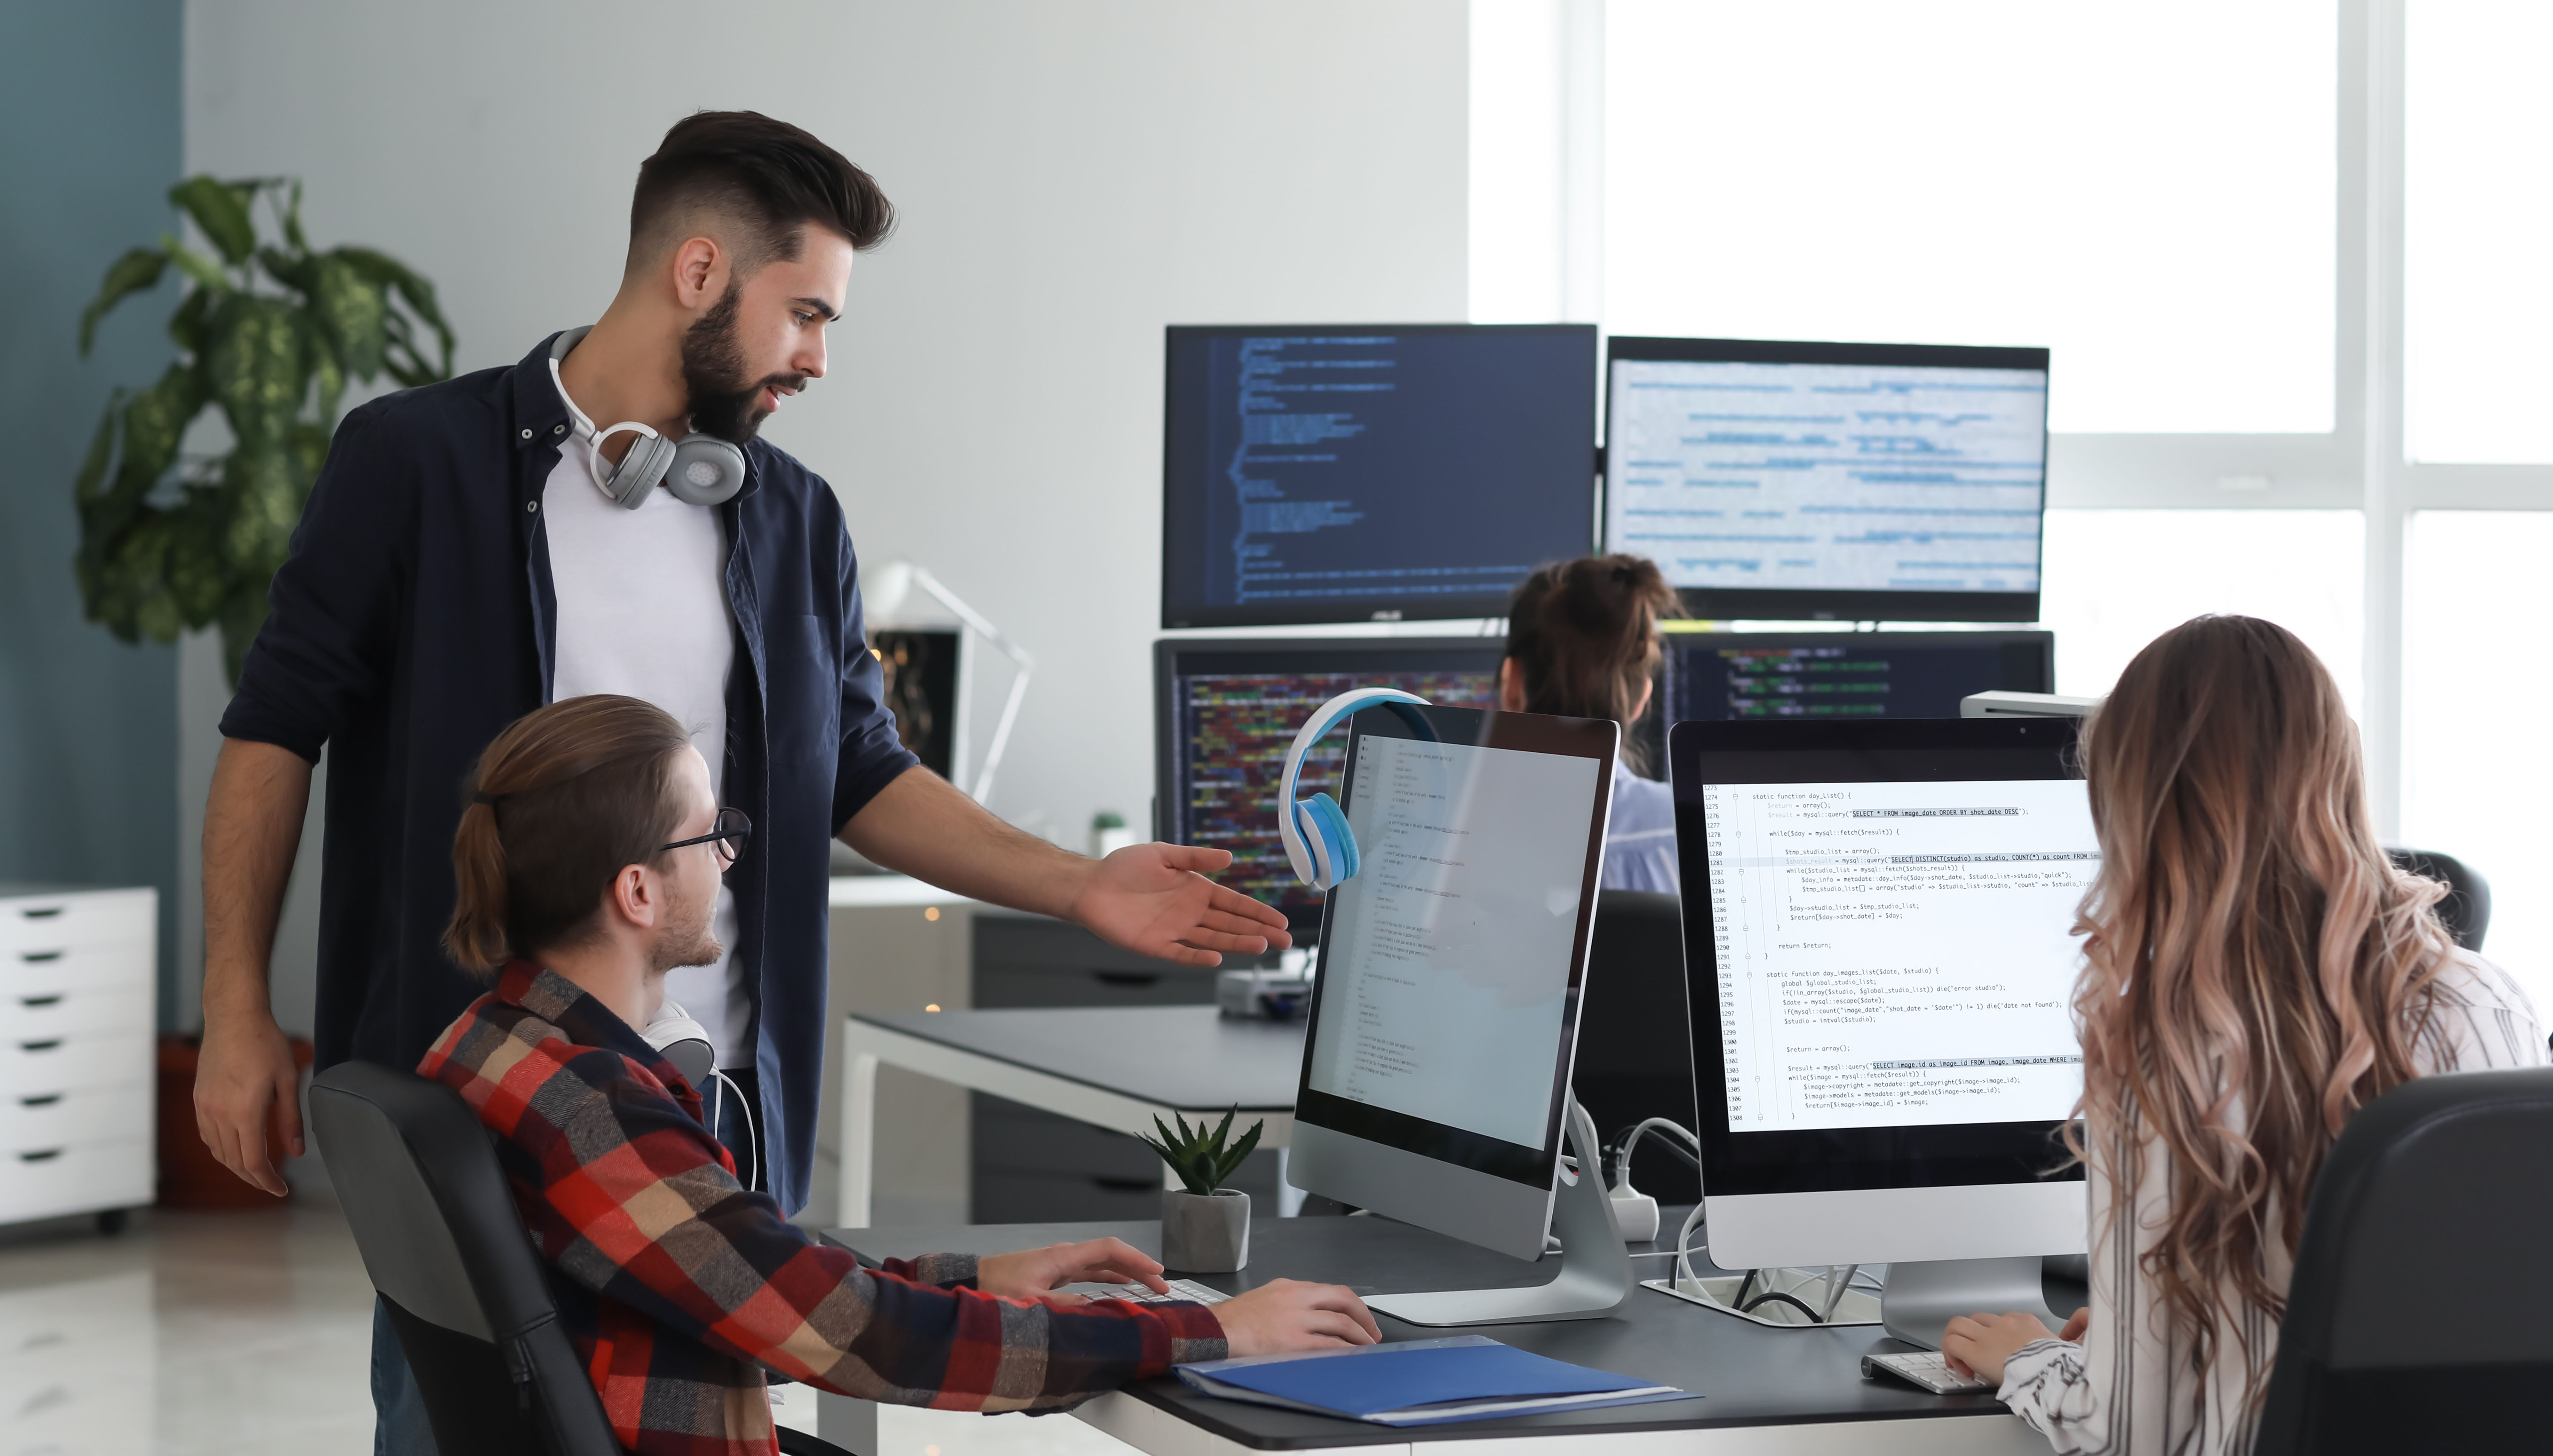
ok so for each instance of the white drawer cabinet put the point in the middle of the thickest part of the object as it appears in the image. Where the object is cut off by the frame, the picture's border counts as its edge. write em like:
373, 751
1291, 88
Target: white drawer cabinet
78, 1013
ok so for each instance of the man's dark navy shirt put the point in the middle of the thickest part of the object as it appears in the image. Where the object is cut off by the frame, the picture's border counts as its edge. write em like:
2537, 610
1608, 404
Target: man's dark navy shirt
415, 618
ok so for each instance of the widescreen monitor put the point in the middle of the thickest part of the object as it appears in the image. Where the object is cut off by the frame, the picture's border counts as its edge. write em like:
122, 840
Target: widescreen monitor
1880, 963
1225, 709
1371, 472
1844, 481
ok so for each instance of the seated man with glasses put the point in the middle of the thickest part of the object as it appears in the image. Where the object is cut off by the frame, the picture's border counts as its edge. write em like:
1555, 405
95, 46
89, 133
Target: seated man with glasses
588, 865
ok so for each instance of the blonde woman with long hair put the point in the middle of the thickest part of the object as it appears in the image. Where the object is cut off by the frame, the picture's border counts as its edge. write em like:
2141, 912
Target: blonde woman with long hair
2256, 971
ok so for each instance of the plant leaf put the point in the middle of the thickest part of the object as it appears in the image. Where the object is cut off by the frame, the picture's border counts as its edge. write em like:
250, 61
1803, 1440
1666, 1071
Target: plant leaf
101, 448
351, 310
289, 269
187, 325
414, 290
254, 361
220, 211
261, 504
1240, 1152
292, 220
194, 265
135, 271
154, 421
199, 579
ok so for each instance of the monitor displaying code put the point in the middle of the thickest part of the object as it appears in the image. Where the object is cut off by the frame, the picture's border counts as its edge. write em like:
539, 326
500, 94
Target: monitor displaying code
1232, 727
1714, 677
1844, 486
1371, 473
1897, 955
1446, 975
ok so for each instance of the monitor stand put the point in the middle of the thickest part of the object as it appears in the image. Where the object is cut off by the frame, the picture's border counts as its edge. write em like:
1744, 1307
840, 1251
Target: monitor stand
1921, 1297
1594, 1270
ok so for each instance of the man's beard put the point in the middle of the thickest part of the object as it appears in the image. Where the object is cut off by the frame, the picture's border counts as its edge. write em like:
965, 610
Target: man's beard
686, 940
722, 400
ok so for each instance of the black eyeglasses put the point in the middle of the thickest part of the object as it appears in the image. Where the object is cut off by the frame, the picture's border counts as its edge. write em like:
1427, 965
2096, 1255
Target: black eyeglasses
733, 828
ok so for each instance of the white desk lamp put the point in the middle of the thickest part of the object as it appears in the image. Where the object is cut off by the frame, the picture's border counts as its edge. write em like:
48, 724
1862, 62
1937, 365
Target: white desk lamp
887, 590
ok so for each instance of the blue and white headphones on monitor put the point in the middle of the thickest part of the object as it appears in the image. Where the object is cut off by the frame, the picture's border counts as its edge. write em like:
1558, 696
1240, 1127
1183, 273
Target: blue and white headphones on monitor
1318, 840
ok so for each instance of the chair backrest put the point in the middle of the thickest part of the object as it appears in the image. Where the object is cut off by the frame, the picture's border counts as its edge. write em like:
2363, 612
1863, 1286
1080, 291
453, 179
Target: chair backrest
448, 1254
2466, 911
2417, 1316
1634, 1043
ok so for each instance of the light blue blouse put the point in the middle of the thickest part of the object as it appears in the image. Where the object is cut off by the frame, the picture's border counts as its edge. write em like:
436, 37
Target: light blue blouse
1640, 844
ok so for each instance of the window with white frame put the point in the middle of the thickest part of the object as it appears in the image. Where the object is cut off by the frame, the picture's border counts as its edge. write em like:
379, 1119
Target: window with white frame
2159, 215
2290, 257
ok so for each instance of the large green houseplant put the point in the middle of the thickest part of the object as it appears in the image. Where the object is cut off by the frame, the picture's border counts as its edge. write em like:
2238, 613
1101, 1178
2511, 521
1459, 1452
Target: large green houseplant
269, 333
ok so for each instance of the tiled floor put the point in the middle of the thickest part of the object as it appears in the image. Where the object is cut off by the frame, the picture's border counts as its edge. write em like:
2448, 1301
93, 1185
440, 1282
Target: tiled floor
194, 1334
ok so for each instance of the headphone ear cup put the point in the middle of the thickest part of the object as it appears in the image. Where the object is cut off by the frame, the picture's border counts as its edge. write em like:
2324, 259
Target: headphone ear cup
1334, 844
707, 471
640, 468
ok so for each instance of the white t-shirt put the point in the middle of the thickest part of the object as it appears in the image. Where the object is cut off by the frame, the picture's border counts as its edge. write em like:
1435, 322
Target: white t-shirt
643, 612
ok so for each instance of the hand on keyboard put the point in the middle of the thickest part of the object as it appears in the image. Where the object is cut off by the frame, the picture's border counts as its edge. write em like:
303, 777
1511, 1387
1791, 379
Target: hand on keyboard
1035, 1274
1180, 1288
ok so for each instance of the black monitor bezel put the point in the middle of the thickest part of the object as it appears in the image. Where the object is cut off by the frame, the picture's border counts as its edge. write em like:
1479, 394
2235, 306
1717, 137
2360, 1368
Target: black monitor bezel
1821, 603
1599, 738
1869, 752
1444, 608
1355, 656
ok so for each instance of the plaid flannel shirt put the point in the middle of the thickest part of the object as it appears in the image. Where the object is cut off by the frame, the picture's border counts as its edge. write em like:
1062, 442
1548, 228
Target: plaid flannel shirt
679, 1288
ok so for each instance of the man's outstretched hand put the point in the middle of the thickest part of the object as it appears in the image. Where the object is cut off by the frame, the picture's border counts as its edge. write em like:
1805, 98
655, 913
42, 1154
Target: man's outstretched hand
1156, 900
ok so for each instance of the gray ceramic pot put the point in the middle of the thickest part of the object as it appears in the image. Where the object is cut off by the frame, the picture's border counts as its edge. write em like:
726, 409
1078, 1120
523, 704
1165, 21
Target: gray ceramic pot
1206, 1233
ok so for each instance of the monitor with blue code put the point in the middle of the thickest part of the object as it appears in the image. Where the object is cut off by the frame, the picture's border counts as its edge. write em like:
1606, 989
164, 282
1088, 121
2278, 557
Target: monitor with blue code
1874, 482
1368, 472
1226, 710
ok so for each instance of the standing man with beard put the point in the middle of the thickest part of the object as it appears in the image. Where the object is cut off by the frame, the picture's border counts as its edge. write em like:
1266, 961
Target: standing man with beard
521, 536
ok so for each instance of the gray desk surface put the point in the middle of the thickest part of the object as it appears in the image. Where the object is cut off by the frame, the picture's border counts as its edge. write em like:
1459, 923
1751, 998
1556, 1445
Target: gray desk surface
1745, 1374
1169, 1055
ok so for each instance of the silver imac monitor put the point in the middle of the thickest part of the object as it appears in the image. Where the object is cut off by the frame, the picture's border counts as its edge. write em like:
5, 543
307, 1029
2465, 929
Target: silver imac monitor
1879, 955
1445, 1013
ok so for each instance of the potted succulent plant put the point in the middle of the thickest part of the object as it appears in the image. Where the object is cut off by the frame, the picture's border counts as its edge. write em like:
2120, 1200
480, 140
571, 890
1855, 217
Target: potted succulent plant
1206, 1226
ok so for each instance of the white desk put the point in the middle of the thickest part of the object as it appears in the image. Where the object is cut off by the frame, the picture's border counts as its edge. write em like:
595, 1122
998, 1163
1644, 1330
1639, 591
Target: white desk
1116, 1067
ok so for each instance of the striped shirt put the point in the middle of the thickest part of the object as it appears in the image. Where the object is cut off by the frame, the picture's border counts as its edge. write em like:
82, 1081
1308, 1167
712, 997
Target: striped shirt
679, 1288
2133, 1387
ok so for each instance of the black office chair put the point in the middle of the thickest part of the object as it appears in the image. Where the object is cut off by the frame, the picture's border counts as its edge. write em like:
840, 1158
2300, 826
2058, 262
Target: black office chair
1634, 1045
449, 1255
2466, 911
2416, 1318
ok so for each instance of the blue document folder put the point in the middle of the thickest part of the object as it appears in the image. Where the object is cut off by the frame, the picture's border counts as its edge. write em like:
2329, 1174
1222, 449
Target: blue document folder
1421, 1382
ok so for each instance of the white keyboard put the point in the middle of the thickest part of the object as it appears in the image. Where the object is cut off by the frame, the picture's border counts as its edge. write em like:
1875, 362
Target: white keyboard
1180, 1288
1928, 1369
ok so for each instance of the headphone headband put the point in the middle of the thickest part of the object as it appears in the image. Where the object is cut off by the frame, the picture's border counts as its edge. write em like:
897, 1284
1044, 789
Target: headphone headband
698, 469
1317, 861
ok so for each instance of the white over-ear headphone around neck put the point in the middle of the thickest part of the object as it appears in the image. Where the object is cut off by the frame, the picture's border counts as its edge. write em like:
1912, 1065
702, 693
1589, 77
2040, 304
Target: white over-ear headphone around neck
699, 470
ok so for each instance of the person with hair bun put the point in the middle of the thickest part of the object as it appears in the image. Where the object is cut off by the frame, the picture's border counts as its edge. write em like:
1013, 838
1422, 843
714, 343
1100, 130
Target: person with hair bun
587, 863
1582, 642
2255, 971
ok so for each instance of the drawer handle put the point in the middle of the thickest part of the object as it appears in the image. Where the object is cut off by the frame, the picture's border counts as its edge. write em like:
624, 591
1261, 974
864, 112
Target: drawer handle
42, 911
1128, 977
46, 1156
41, 1100
39, 1003
1125, 1185
38, 957
47, 1045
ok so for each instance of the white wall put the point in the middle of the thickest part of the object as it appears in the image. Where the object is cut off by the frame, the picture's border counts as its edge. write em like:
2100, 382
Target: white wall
1071, 178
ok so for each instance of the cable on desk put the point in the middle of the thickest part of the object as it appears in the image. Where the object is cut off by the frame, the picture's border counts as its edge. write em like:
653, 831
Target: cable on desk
1769, 1295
